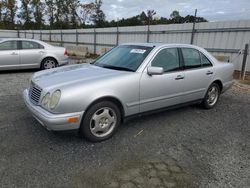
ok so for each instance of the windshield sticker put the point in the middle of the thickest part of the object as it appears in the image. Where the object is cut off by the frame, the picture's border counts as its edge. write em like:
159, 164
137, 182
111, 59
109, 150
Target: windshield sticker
138, 51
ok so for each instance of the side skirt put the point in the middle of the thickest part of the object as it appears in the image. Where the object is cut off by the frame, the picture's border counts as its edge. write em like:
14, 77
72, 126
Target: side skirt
128, 118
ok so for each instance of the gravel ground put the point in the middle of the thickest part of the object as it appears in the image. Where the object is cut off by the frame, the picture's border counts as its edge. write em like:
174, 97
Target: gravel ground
187, 147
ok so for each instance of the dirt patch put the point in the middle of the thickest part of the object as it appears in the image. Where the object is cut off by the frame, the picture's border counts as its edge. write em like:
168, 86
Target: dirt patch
146, 174
242, 86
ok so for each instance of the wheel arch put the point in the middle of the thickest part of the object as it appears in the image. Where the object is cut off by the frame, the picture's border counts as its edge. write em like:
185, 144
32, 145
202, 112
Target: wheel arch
219, 82
112, 99
48, 57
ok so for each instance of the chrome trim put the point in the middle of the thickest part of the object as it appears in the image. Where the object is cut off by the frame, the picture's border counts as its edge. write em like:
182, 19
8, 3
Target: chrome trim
35, 93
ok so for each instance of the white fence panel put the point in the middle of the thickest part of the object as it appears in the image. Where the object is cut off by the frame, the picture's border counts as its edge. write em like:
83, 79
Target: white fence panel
220, 38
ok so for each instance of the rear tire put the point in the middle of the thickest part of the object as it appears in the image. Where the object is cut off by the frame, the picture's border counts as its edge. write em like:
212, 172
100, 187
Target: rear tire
212, 96
48, 63
101, 121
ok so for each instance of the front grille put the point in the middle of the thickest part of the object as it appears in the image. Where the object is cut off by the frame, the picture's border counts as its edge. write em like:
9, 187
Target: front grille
35, 93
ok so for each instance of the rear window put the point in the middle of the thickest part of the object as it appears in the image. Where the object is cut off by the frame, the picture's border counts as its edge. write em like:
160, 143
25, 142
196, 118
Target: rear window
191, 58
31, 45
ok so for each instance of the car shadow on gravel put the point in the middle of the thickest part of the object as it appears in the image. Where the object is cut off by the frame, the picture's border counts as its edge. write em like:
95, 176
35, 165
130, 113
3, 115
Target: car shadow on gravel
19, 71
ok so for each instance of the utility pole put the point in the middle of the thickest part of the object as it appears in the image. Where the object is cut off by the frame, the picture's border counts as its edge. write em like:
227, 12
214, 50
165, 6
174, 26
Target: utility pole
117, 32
193, 30
244, 62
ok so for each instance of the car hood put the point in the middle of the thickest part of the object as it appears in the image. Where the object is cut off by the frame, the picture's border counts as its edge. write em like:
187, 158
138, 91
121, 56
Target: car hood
73, 74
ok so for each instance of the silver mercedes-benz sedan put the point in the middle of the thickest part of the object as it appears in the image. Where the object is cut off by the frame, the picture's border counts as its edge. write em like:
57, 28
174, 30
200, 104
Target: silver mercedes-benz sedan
18, 53
128, 80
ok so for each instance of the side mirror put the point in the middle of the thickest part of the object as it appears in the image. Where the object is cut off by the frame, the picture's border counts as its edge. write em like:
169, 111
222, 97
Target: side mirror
155, 71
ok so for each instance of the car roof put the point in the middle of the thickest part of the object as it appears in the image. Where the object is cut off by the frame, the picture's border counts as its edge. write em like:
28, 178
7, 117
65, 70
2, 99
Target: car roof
4, 39
20, 39
158, 45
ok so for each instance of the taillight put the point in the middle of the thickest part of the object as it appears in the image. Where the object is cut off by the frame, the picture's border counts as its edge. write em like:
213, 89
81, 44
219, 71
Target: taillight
65, 52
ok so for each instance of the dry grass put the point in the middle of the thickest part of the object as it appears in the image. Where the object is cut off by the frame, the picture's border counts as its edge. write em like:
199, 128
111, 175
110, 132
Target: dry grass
245, 82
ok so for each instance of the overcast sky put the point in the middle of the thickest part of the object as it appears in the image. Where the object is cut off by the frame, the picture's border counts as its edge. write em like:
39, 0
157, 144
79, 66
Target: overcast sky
213, 10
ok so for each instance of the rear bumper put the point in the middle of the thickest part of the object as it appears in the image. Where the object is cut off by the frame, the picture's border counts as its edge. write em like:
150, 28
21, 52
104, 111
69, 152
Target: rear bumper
51, 121
63, 62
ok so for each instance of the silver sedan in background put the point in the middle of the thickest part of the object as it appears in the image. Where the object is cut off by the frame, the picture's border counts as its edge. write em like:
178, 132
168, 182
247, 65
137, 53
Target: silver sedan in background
18, 53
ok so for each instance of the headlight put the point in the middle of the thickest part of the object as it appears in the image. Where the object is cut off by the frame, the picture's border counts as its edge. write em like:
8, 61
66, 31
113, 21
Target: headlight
55, 97
45, 100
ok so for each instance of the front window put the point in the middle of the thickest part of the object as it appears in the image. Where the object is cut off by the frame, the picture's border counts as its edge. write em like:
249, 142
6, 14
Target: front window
168, 59
8, 45
126, 57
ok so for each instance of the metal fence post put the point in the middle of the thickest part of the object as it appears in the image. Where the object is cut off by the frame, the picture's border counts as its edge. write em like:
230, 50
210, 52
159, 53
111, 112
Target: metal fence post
25, 34
117, 35
148, 33
50, 35
77, 38
33, 34
40, 34
244, 62
193, 30
18, 33
61, 38
94, 41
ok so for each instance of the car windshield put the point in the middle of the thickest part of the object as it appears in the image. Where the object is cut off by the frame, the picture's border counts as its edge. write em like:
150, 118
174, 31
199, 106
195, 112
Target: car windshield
125, 57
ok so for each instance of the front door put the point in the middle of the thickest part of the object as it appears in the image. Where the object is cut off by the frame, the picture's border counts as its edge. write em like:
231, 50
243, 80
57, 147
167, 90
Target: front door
159, 91
9, 54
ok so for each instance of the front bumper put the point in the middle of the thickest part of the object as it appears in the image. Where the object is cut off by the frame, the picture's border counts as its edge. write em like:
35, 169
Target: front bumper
51, 121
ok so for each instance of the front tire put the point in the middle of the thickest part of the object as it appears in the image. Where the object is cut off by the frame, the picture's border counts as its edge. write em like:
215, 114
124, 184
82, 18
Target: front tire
212, 96
48, 63
101, 121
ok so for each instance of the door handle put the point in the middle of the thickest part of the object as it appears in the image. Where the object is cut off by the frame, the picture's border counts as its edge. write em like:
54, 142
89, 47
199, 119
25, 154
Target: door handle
14, 53
41, 52
179, 77
209, 72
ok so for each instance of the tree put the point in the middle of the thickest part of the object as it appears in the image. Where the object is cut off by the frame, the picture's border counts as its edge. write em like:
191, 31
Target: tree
50, 12
150, 14
98, 17
61, 13
176, 18
1, 9
38, 8
73, 13
66, 14
85, 12
9, 13
143, 18
174, 14
26, 14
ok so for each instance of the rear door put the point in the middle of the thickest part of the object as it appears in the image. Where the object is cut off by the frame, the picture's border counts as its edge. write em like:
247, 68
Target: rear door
198, 74
9, 54
31, 54
159, 91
